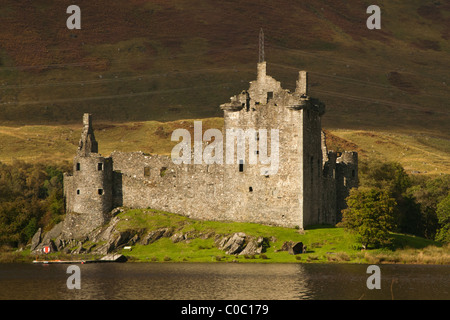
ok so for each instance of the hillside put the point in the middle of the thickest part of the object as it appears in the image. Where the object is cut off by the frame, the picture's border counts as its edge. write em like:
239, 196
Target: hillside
418, 153
167, 60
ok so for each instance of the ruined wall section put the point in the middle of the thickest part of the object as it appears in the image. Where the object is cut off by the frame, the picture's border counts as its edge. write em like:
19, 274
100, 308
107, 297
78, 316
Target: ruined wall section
328, 194
194, 190
312, 162
346, 179
328, 188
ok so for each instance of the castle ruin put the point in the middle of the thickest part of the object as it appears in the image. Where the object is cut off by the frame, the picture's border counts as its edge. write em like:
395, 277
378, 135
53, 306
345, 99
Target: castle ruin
309, 188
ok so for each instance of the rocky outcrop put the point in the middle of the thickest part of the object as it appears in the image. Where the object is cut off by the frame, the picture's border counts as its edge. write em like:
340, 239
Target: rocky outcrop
155, 235
240, 243
233, 244
255, 246
110, 238
36, 240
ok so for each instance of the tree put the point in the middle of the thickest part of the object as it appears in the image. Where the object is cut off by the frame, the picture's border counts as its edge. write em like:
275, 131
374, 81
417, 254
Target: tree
392, 177
443, 214
370, 215
428, 193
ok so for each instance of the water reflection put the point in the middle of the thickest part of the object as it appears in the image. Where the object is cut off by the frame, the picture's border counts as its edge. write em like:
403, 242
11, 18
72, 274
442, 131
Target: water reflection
217, 281
192, 281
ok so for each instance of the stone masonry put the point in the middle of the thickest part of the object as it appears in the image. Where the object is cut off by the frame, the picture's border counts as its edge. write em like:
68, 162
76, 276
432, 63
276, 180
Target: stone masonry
309, 188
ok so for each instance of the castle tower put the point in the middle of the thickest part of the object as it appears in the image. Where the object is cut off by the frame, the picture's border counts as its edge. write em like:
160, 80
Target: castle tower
89, 190
291, 196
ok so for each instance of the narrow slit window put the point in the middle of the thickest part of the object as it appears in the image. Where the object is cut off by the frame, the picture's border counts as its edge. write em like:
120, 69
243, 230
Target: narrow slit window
100, 192
250, 189
78, 166
100, 167
269, 95
78, 191
241, 166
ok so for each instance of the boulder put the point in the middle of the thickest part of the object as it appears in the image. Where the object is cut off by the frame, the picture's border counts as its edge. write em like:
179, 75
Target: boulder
254, 246
233, 244
36, 239
292, 247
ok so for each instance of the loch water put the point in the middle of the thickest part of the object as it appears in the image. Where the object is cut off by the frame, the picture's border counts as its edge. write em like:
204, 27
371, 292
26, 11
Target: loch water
223, 281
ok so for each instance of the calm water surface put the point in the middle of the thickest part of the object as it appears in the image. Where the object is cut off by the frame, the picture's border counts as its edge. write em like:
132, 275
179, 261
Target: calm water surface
223, 281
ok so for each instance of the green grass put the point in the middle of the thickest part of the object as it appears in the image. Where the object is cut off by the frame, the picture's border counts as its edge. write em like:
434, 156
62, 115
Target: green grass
325, 244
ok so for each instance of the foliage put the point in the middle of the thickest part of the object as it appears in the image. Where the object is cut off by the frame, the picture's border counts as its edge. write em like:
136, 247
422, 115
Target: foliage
31, 197
417, 197
370, 216
428, 193
443, 214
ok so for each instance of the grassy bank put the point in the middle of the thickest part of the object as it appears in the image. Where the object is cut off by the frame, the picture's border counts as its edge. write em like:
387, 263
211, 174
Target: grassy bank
325, 244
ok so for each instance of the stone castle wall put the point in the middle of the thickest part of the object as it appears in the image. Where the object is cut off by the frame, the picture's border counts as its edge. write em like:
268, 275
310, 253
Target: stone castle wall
309, 186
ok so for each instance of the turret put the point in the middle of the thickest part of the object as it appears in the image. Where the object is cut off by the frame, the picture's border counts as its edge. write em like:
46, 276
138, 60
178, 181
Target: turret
302, 84
87, 144
92, 176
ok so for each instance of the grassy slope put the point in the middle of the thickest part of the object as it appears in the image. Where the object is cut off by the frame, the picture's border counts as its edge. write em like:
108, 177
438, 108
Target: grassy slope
166, 60
323, 244
429, 154
138, 62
